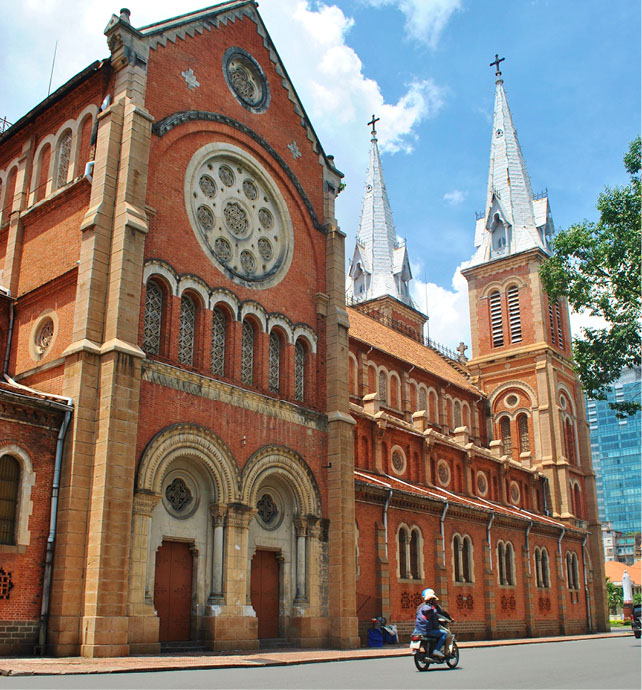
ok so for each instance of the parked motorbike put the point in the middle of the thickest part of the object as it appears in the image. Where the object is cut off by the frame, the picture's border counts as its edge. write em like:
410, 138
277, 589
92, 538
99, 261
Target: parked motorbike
422, 648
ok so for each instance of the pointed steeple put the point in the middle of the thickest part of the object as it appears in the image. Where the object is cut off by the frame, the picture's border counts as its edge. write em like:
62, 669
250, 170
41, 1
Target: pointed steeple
514, 219
380, 263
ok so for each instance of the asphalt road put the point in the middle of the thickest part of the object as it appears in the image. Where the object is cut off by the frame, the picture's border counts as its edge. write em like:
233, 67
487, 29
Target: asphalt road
600, 663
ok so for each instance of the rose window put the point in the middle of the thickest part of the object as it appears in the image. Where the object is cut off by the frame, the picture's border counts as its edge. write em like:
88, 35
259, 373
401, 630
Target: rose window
246, 80
515, 493
482, 484
398, 462
239, 216
44, 337
443, 473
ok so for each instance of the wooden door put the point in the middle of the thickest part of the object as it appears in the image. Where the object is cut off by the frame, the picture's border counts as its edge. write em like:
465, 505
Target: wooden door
173, 590
264, 592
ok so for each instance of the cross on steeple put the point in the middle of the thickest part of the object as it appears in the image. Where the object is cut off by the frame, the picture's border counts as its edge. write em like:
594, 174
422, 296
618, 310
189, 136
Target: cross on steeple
496, 65
372, 124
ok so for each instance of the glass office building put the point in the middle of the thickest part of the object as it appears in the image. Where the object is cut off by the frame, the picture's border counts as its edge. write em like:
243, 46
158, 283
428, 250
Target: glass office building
617, 455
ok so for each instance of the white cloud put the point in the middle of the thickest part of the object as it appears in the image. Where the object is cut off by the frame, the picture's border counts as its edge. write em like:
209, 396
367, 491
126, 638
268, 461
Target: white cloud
455, 197
447, 309
583, 319
425, 19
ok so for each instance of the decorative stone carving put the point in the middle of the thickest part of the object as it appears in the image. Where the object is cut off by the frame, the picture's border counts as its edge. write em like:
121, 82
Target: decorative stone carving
44, 336
294, 150
190, 79
178, 494
246, 80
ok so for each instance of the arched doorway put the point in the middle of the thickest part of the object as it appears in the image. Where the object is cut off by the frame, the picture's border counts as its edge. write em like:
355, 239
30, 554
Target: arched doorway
264, 592
173, 590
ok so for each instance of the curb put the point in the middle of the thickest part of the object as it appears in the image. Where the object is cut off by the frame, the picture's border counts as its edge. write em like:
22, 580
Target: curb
253, 661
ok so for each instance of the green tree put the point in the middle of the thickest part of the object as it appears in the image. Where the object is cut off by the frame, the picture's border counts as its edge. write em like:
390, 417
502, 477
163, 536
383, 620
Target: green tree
614, 595
596, 266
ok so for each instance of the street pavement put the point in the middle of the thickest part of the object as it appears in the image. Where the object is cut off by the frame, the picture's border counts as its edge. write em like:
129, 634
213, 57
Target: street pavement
29, 666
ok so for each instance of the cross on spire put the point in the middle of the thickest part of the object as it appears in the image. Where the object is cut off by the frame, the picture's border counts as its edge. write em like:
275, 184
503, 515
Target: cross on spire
372, 124
496, 65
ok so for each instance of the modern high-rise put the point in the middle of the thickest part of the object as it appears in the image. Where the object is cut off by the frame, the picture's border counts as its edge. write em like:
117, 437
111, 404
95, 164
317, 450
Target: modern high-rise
616, 449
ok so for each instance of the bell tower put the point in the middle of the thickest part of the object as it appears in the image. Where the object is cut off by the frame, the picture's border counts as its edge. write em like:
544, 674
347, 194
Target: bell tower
521, 341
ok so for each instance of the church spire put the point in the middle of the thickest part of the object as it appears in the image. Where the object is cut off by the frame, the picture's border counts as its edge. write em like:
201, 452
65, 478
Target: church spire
380, 263
514, 219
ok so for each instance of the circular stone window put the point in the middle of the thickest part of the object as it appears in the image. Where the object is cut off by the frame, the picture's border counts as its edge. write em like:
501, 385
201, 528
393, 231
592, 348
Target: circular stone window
515, 493
482, 484
246, 80
398, 461
443, 473
238, 215
268, 511
44, 336
512, 400
180, 494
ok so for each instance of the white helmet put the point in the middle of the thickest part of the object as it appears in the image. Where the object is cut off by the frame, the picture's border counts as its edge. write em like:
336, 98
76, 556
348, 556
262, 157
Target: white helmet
428, 594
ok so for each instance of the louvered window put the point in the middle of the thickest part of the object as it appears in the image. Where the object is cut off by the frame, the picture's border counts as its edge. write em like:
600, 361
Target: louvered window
524, 439
218, 342
506, 437
186, 329
514, 318
497, 327
247, 354
275, 362
152, 321
64, 158
299, 370
551, 319
560, 338
9, 482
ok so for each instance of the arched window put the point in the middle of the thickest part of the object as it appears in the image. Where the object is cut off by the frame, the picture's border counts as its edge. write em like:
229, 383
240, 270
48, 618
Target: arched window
524, 438
509, 568
504, 427
383, 385
153, 318
275, 362
42, 173
9, 485
569, 441
247, 353
546, 575
186, 331
539, 581
577, 501
572, 574
219, 329
433, 411
402, 554
467, 559
501, 555
514, 319
372, 379
496, 322
457, 414
63, 159
394, 392
415, 550
457, 558
299, 370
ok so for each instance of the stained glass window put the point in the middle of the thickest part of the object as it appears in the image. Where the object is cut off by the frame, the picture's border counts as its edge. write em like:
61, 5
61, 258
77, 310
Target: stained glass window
218, 342
186, 328
275, 363
64, 158
247, 354
299, 370
152, 322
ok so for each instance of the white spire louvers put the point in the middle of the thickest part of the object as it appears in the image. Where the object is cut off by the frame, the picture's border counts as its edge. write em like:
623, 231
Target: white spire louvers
514, 220
380, 263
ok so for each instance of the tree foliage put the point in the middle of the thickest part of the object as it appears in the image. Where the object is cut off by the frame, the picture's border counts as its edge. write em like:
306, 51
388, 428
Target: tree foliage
614, 595
596, 266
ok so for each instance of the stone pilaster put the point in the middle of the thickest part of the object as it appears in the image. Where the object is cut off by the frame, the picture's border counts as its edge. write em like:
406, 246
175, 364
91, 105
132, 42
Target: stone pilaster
218, 512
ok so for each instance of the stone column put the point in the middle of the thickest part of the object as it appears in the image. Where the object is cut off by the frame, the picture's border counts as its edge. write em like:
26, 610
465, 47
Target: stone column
529, 600
218, 511
300, 527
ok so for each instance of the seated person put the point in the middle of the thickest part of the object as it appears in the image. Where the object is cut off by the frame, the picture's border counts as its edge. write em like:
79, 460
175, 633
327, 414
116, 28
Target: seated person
427, 622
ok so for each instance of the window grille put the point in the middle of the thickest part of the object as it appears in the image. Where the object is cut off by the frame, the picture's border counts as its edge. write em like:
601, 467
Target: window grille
275, 362
152, 321
9, 482
497, 327
247, 354
551, 319
64, 157
524, 439
506, 436
218, 342
560, 338
299, 370
514, 318
186, 329
383, 384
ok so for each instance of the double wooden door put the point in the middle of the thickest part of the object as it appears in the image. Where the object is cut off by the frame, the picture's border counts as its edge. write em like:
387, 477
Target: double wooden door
173, 590
264, 592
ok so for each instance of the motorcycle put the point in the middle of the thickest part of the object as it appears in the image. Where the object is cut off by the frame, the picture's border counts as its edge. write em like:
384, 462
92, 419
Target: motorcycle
422, 648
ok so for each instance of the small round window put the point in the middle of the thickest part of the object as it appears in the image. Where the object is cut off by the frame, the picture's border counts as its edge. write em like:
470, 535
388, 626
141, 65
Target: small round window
515, 493
180, 494
482, 484
398, 461
512, 400
246, 80
443, 473
269, 511
44, 336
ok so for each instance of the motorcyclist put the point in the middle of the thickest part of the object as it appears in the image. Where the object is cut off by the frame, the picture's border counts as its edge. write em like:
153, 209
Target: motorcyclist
427, 622
444, 614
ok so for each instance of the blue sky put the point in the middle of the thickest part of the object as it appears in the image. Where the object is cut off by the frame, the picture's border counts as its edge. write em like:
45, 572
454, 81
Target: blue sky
572, 77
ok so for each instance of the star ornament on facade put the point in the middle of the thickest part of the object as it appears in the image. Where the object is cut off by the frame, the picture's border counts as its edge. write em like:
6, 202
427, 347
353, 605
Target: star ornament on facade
190, 78
294, 150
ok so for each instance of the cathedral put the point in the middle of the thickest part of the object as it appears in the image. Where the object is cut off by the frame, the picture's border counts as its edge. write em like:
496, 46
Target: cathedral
208, 434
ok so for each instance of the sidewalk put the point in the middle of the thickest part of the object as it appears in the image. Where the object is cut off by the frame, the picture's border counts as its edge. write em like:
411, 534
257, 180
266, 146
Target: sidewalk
60, 666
